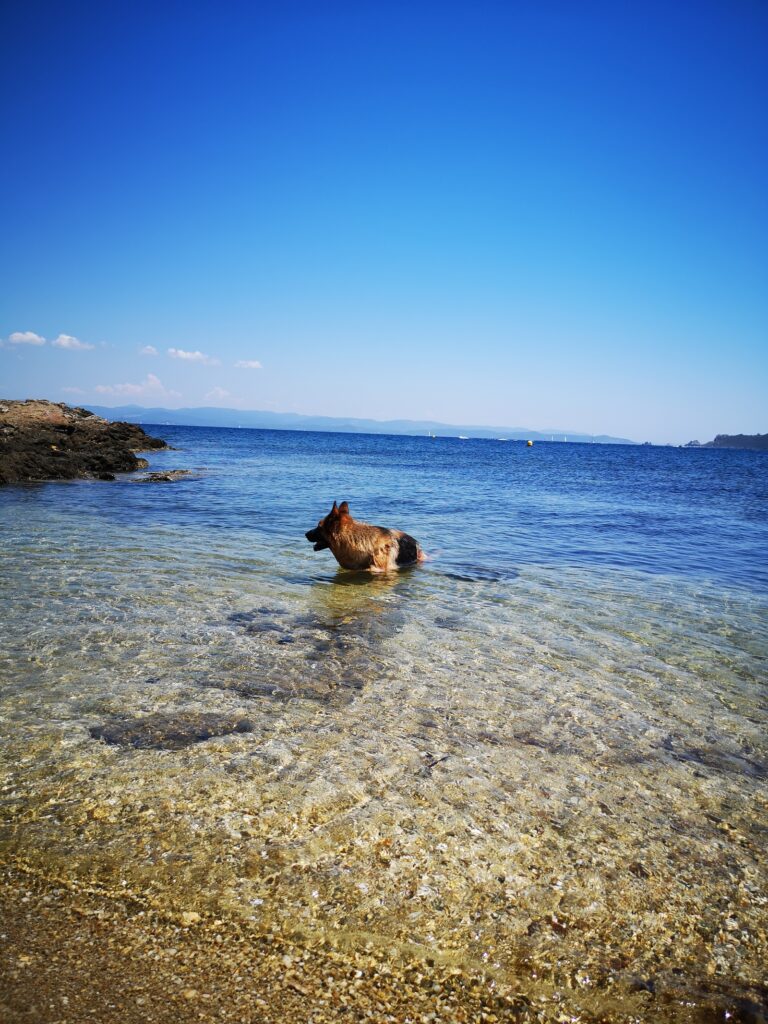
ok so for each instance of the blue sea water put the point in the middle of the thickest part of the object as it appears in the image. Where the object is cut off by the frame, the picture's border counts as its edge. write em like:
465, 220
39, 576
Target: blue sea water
569, 696
483, 507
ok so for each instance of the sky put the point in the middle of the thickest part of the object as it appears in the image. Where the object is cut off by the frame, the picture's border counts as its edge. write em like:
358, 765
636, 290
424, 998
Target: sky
542, 214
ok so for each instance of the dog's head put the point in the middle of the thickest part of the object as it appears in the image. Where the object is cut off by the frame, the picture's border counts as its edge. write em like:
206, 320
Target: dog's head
319, 536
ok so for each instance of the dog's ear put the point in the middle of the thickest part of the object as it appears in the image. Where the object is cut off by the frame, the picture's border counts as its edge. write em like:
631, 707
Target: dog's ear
334, 511
344, 508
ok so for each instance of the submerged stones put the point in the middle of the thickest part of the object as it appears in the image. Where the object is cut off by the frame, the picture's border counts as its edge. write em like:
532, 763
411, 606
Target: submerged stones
166, 477
327, 655
720, 760
169, 732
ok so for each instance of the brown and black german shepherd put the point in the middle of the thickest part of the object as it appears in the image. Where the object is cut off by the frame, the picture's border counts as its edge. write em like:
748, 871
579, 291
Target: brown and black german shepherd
362, 546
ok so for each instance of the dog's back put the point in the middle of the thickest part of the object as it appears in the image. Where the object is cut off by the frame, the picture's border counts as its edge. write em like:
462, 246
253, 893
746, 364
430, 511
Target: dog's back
358, 545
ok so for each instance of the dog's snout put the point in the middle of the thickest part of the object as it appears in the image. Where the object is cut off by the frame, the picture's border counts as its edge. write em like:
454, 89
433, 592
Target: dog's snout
316, 537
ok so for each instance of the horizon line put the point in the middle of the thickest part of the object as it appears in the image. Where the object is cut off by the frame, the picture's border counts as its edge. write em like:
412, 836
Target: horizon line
426, 423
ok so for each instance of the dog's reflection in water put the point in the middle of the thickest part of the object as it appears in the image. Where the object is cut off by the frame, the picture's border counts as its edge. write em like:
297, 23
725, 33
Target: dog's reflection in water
351, 620
357, 606
335, 648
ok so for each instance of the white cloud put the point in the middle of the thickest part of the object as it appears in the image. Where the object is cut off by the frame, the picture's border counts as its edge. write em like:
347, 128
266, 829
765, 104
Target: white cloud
193, 357
25, 338
73, 344
73, 391
148, 350
217, 393
150, 387
248, 364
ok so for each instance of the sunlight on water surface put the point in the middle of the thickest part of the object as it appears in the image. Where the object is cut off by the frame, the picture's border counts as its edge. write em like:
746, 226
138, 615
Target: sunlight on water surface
542, 754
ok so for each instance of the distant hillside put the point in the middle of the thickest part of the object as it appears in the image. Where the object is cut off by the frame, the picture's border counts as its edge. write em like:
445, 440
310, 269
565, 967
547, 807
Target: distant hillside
758, 442
212, 417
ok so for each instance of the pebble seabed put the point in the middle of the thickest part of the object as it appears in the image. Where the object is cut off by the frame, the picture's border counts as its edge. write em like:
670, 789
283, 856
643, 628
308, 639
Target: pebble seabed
349, 802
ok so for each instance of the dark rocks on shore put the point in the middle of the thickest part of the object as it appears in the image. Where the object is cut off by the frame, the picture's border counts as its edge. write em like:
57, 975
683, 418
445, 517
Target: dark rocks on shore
42, 440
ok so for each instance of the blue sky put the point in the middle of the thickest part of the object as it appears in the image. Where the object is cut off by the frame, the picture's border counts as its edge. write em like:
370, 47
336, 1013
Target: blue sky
545, 214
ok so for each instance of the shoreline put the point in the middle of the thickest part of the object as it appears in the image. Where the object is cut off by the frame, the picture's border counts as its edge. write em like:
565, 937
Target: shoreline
71, 954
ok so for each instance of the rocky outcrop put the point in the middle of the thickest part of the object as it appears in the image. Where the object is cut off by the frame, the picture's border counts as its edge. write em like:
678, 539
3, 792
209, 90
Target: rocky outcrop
42, 440
757, 442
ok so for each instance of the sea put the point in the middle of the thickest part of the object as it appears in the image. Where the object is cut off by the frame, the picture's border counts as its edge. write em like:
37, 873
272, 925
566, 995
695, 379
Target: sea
539, 757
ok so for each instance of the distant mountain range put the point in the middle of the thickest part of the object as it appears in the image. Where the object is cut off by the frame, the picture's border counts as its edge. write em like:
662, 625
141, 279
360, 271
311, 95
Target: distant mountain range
212, 417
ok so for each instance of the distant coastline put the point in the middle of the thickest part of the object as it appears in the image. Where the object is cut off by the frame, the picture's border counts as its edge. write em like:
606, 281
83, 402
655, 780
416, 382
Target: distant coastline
215, 417
754, 442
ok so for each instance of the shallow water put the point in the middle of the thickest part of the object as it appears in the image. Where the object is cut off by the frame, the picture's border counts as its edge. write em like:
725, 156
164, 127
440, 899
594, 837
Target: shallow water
541, 755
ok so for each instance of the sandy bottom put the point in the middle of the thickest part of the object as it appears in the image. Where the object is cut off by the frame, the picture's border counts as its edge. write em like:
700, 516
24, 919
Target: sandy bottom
71, 956
225, 796
68, 955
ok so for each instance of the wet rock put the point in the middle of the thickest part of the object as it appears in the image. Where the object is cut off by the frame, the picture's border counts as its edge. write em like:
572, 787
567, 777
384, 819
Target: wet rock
718, 760
244, 618
169, 732
168, 476
638, 870
251, 688
42, 440
745, 1011
639, 984
479, 574
449, 621
259, 622
264, 626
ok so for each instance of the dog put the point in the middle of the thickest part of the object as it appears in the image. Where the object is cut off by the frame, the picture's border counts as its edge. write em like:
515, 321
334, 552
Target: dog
359, 546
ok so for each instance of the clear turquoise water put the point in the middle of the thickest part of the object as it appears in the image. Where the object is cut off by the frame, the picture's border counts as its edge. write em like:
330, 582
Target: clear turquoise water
542, 754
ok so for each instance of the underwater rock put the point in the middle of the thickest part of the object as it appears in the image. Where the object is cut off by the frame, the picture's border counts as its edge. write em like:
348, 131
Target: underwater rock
167, 476
42, 440
716, 759
449, 621
169, 732
245, 619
